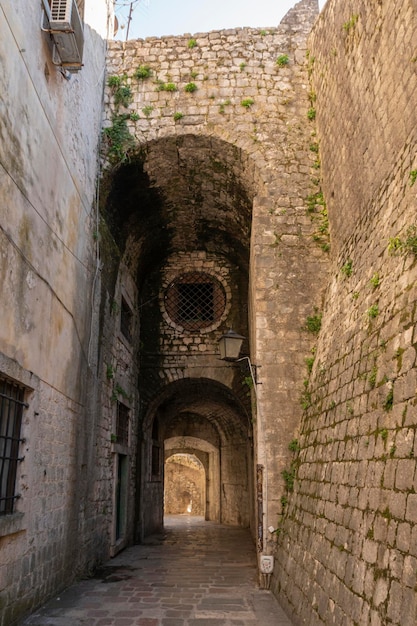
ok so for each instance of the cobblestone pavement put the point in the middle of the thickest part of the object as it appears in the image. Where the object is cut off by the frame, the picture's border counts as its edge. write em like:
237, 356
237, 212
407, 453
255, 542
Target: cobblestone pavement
197, 574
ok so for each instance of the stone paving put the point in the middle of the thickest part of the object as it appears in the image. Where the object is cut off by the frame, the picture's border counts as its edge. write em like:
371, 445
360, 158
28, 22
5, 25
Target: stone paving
197, 574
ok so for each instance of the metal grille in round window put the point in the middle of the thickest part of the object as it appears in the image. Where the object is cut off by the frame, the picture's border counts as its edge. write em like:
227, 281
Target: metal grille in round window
195, 300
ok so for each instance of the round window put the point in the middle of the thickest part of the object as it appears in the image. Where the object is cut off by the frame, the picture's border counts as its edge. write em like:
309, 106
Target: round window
195, 300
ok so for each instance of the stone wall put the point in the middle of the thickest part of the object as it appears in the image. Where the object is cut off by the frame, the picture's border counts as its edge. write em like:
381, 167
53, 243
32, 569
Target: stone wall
347, 543
49, 132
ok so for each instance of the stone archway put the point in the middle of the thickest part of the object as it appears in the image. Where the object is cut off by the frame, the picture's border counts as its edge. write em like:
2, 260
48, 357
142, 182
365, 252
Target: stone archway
209, 457
204, 418
184, 485
181, 214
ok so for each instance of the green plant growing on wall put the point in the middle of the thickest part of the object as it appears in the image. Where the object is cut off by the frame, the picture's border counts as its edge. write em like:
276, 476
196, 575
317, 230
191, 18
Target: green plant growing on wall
314, 201
121, 91
289, 477
193, 74
305, 398
375, 281
114, 82
394, 245
294, 446
223, 105
161, 86
247, 102
389, 401
134, 117
263, 33
118, 139
248, 382
109, 372
192, 43
147, 110
142, 72
384, 434
119, 391
314, 147
310, 62
372, 376
190, 87
373, 311
313, 323
410, 244
242, 66
398, 246
311, 113
114, 307
347, 268
178, 116
123, 96
347, 26
282, 60
413, 177
309, 361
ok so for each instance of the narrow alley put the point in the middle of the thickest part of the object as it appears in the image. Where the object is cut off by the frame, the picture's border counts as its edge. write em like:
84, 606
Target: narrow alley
197, 573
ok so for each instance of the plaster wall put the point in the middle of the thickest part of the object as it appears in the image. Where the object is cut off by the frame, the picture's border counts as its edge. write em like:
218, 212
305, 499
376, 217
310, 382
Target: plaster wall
49, 132
347, 550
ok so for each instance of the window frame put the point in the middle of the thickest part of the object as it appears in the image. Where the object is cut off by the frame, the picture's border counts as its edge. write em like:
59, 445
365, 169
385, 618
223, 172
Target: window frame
12, 405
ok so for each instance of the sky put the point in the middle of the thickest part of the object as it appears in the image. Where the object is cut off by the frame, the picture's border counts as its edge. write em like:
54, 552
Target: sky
156, 18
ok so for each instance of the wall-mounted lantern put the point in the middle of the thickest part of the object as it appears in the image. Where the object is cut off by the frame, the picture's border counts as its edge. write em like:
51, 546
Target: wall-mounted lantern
230, 345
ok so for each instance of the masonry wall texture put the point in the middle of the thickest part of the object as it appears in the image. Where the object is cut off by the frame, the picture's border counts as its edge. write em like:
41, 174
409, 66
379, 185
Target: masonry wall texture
49, 132
347, 552
227, 179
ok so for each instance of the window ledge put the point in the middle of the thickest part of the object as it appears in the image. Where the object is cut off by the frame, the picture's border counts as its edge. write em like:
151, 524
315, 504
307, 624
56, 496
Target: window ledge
118, 448
11, 524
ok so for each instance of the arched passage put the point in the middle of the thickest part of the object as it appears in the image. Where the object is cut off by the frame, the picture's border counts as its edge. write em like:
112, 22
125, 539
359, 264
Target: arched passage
204, 418
184, 484
180, 215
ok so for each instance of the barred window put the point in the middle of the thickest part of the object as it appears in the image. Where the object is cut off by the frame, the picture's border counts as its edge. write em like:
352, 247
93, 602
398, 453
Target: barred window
195, 300
11, 409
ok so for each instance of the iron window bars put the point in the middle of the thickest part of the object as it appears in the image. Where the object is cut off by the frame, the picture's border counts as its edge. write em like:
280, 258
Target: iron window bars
11, 410
195, 300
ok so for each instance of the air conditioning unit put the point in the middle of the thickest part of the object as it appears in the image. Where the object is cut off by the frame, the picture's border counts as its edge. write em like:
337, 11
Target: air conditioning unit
66, 28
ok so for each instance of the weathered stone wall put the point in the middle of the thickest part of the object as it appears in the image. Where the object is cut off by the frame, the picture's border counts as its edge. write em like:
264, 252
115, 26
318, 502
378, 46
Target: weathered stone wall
49, 132
347, 551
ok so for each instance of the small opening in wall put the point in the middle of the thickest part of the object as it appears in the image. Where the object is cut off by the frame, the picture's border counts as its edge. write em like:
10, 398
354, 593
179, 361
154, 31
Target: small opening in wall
195, 300
126, 320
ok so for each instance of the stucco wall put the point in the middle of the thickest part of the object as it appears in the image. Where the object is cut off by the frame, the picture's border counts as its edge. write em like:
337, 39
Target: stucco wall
49, 132
347, 548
